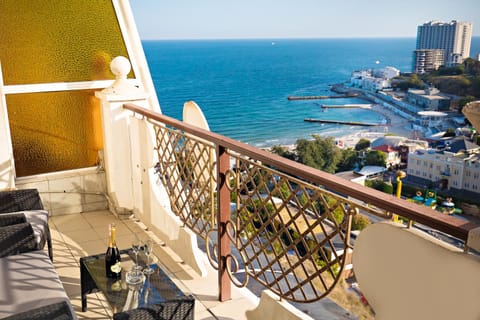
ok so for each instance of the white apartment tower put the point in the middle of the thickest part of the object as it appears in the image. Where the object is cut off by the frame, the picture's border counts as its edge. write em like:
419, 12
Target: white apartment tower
453, 37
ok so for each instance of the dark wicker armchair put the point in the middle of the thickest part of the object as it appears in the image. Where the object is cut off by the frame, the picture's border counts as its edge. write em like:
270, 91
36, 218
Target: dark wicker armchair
175, 309
28, 202
55, 311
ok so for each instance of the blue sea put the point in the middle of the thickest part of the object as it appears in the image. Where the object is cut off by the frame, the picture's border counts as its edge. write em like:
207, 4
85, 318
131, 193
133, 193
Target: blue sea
242, 85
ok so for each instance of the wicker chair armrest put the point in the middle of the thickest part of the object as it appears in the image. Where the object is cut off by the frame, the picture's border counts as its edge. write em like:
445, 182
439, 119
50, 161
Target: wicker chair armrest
55, 311
16, 239
20, 200
175, 309
12, 218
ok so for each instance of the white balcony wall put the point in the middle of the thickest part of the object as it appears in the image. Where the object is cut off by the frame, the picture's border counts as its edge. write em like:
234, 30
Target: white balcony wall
133, 187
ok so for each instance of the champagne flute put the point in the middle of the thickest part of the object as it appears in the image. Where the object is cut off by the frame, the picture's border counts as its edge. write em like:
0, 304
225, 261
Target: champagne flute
148, 248
136, 246
146, 291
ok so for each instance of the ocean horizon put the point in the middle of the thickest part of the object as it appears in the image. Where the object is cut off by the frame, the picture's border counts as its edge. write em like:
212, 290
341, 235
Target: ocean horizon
242, 85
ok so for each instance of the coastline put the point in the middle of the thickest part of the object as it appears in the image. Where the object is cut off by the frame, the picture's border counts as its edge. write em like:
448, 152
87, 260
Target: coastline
395, 125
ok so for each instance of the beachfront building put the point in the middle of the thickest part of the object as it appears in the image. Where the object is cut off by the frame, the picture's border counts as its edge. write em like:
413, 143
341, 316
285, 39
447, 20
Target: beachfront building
392, 156
386, 73
427, 60
407, 147
453, 37
457, 167
398, 148
374, 80
428, 99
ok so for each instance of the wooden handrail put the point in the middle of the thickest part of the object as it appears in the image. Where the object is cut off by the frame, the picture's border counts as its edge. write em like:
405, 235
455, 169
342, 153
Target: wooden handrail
421, 214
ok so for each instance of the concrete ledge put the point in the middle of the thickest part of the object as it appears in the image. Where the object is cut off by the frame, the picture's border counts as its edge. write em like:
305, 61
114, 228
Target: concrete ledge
169, 227
272, 308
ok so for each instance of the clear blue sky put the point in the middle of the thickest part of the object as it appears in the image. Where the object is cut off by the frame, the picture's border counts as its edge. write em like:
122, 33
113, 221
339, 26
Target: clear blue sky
232, 19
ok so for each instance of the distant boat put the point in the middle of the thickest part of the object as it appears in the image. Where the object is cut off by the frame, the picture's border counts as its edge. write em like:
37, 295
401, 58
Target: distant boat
377, 62
273, 43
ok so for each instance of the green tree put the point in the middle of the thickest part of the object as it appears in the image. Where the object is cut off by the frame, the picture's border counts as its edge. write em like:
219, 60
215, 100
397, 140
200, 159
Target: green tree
450, 71
320, 153
474, 88
283, 152
348, 160
472, 67
362, 144
375, 158
404, 83
380, 186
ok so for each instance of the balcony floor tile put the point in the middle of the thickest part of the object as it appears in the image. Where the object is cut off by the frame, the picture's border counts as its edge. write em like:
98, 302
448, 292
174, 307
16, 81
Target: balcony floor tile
78, 235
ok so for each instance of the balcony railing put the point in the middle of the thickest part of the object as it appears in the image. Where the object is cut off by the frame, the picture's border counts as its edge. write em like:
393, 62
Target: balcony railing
262, 216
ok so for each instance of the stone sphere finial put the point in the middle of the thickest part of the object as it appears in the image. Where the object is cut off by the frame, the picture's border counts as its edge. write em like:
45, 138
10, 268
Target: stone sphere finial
120, 67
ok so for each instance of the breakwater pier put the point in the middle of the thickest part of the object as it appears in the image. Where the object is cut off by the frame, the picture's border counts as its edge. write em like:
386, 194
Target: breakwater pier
347, 106
338, 96
352, 123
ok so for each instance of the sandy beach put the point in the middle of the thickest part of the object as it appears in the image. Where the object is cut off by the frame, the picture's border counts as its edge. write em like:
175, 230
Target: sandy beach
395, 125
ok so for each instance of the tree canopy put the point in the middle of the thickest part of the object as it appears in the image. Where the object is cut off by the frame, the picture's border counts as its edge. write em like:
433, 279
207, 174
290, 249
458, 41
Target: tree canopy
283, 152
320, 153
348, 160
375, 158
362, 144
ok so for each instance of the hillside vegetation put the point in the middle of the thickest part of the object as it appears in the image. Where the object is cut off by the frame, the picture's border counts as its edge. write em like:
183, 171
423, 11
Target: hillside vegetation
462, 81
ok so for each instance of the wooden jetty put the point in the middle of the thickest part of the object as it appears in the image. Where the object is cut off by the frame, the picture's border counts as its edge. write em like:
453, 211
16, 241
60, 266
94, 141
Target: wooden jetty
347, 106
339, 96
352, 123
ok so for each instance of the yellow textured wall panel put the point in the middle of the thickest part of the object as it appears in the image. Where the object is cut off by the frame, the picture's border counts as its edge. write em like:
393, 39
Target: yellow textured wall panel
54, 131
58, 40
51, 41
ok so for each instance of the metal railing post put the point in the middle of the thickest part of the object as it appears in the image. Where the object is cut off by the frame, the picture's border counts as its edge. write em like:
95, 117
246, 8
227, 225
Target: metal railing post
223, 197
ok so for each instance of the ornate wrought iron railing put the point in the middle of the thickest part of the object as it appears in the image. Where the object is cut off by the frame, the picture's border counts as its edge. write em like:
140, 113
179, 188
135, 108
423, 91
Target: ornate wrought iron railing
262, 216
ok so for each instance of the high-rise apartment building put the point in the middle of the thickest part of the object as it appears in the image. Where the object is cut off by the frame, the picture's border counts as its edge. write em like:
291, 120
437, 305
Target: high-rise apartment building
427, 60
453, 37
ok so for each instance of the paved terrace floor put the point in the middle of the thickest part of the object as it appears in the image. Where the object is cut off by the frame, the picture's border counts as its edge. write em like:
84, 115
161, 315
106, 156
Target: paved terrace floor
82, 234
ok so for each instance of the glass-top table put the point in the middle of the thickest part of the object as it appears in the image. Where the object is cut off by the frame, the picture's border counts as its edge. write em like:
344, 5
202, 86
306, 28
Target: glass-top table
157, 288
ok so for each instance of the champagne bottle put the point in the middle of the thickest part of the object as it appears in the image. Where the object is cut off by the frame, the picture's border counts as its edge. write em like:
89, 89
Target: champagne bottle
112, 257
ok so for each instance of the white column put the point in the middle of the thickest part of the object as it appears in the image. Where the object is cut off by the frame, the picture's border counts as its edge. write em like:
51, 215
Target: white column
7, 169
118, 157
